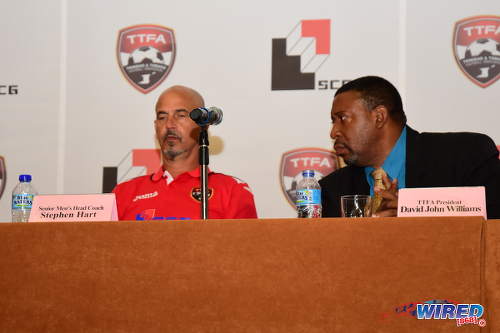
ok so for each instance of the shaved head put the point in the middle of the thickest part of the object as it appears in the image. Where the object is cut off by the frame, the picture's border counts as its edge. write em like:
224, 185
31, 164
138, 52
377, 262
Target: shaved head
187, 93
177, 134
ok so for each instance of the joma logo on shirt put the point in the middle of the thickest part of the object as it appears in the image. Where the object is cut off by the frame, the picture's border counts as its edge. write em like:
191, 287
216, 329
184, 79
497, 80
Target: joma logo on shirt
145, 196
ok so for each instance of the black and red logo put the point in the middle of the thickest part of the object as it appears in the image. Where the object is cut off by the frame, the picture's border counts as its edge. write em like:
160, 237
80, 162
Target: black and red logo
146, 54
297, 57
293, 162
137, 162
476, 44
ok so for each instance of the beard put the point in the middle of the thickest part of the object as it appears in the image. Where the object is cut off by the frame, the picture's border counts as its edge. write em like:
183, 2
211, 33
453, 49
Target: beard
361, 152
352, 159
171, 152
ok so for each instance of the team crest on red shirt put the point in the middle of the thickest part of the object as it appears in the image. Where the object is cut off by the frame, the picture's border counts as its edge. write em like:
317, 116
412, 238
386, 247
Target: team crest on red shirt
293, 162
146, 54
476, 44
196, 193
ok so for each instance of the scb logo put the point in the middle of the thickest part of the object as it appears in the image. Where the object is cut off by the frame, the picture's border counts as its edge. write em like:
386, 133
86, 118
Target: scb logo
12, 89
137, 162
298, 57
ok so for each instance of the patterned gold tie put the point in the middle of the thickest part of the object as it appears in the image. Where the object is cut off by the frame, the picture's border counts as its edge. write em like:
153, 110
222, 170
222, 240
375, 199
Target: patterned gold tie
377, 175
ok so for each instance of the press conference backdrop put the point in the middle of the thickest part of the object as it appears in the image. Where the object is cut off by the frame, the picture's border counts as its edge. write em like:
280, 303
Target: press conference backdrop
79, 79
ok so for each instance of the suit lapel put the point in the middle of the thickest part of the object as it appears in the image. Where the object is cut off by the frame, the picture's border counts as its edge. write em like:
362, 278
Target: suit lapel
359, 182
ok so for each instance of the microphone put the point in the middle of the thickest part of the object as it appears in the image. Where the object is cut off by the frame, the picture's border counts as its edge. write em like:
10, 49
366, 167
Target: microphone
206, 116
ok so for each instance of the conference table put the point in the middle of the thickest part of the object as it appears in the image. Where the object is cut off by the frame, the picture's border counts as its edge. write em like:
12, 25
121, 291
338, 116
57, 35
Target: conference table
256, 275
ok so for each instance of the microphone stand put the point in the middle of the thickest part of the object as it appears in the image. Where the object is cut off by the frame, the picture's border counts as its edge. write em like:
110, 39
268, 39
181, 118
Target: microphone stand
203, 141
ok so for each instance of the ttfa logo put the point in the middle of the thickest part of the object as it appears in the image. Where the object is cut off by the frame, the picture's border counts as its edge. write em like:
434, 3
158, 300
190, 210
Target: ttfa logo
297, 57
476, 44
146, 54
293, 162
136, 163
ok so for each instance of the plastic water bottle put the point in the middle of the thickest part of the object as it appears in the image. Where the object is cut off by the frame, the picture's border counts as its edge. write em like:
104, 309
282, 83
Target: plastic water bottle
308, 196
22, 199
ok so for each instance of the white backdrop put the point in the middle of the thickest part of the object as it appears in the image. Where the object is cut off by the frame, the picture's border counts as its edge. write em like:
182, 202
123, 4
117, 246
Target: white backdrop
75, 113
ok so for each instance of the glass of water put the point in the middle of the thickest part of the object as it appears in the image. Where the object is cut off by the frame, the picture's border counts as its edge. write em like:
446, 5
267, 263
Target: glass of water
357, 205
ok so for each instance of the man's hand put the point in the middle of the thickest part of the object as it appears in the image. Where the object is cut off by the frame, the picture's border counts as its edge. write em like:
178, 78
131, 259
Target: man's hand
389, 205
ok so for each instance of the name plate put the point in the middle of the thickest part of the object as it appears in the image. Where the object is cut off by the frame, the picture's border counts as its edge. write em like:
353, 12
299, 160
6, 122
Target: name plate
74, 208
442, 201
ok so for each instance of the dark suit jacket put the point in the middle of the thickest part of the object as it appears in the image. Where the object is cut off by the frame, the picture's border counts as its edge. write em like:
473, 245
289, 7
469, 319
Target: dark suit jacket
432, 160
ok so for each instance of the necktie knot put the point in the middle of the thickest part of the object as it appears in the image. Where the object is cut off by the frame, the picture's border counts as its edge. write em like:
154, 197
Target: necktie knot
378, 177
378, 184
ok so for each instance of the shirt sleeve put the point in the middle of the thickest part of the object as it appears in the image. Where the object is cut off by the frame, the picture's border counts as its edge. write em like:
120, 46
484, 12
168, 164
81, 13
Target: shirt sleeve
121, 199
241, 203
484, 168
330, 208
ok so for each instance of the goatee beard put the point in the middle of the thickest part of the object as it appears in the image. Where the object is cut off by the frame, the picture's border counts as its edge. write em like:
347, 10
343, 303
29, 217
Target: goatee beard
171, 155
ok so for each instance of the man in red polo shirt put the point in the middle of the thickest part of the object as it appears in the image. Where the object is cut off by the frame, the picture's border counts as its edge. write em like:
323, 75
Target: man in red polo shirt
173, 192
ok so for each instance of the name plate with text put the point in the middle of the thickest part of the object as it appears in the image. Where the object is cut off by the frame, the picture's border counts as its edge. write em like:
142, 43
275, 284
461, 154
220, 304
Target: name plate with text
74, 208
442, 201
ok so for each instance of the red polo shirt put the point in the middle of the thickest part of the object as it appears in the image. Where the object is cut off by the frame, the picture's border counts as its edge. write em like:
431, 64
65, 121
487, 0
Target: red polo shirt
160, 197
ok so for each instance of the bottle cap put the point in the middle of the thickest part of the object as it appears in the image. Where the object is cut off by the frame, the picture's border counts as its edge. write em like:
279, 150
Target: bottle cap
308, 173
25, 178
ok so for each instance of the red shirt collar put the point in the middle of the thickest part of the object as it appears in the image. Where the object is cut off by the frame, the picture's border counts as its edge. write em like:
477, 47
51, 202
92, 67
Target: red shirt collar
159, 174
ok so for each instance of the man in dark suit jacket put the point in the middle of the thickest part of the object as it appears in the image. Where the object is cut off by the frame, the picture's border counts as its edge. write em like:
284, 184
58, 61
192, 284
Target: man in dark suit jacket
370, 131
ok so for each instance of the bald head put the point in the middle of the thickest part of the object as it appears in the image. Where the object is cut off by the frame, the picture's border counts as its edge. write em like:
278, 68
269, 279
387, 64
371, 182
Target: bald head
175, 131
189, 95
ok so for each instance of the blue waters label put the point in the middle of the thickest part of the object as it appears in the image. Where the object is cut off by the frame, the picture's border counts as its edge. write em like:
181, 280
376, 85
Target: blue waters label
22, 201
308, 197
